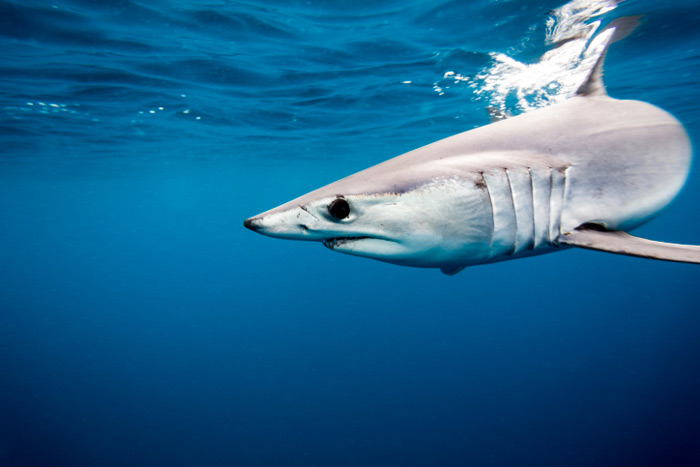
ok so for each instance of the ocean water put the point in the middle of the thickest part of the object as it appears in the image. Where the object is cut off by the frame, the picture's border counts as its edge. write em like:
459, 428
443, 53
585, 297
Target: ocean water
141, 324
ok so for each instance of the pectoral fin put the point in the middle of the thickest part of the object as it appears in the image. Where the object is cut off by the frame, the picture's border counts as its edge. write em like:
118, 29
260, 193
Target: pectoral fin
594, 237
451, 270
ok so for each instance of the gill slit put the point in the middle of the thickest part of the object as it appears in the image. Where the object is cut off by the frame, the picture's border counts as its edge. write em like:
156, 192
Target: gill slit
515, 214
493, 217
533, 245
558, 187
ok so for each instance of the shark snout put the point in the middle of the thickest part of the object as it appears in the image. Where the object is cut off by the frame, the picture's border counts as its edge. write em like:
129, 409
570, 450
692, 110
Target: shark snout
295, 223
252, 224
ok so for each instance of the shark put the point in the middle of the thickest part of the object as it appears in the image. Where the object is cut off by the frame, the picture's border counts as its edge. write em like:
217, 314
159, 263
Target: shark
577, 174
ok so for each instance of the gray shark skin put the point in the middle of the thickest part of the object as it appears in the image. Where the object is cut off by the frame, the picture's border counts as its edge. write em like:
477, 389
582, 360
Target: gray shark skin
578, 173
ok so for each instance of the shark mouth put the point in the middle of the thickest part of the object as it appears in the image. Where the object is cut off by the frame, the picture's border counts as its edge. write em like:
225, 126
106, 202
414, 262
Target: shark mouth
332, 243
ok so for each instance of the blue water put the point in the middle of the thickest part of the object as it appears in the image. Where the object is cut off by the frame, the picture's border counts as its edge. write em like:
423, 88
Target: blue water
141, 324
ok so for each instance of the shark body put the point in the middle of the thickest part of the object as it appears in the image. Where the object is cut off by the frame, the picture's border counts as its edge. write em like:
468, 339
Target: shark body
579, 173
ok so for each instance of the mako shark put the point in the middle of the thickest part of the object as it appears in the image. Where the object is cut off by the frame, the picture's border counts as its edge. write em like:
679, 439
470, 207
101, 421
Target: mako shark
575, 174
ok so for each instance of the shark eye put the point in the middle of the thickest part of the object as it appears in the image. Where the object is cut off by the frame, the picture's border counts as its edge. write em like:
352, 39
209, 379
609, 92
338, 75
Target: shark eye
339, 208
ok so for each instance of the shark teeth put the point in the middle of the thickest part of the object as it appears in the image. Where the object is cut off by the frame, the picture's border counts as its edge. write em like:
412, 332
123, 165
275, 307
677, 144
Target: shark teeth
332, 243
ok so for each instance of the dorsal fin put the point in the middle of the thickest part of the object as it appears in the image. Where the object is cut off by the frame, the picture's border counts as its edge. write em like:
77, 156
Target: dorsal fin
593, 86
595, 237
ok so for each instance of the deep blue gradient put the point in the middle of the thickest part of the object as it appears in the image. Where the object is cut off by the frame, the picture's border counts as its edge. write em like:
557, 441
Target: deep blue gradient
141, 324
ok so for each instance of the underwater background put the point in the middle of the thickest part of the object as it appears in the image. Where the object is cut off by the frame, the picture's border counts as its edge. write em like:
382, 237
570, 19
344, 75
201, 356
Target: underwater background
141, 324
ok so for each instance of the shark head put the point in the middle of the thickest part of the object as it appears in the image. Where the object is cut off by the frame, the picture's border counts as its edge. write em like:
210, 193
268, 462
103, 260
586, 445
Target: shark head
422, 216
